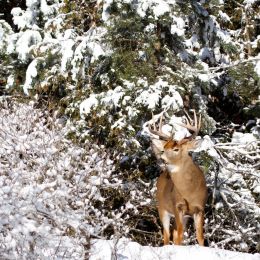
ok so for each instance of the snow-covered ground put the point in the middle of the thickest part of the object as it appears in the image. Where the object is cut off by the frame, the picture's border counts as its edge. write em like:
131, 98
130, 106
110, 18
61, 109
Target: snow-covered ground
124, 249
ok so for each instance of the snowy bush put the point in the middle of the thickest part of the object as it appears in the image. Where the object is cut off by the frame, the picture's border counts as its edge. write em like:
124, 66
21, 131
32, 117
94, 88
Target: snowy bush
39, 173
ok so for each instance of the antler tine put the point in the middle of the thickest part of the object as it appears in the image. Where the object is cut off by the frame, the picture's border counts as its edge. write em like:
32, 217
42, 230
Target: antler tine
195, 119
159, 132
193, 125
153, 121
188, 118
160, 123
199, 123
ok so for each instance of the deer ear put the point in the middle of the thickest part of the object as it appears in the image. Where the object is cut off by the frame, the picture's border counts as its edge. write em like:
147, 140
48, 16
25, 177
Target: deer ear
197, 143
194, 144
170, 144
183, 141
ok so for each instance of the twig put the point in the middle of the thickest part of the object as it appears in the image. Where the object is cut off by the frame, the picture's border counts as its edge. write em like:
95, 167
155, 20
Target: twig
142, 231
236, 144
227, 203
229, 239
215, 186
215, 69
234, 64
238, 150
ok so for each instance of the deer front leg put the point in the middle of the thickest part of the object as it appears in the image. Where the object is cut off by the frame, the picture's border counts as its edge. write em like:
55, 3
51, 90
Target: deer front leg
165, 219
199, 221
178, 232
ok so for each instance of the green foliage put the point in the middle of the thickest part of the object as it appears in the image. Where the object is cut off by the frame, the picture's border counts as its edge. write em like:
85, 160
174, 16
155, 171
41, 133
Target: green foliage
230, 48
206, 161
134, 53
126, 31
80, 14
130, 66
245, 82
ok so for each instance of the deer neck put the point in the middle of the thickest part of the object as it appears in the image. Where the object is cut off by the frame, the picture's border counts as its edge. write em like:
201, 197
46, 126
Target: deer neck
180, 166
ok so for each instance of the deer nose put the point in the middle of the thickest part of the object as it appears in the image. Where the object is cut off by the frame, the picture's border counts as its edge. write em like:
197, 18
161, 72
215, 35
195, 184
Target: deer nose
161, 161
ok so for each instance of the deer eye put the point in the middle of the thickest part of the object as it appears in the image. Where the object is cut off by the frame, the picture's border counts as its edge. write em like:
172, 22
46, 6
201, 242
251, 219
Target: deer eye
176, 149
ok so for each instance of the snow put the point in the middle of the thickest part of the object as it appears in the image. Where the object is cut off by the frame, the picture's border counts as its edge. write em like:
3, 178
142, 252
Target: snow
178, 26
224, 36
5, 32
96, 50
150, 97
243, 138
45, 8
30, 199
28, 19
87, 51
26, 42
88, 104
249, 3
160, 8
224, 16
111, 98
10, 81
43, 186
205, 53
257, 66
31, 73
67, 53
47, 185
105, 14
124, 249
203, 77
18, 17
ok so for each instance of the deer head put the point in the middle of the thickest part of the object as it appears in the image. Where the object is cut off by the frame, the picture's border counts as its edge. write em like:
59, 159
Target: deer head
170, 150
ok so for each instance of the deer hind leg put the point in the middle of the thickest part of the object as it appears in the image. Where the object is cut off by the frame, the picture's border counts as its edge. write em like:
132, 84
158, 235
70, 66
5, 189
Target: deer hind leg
165, 219
178, 232
199, 221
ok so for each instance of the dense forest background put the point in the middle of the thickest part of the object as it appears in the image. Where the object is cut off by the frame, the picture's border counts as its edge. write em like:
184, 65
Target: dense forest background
79, 80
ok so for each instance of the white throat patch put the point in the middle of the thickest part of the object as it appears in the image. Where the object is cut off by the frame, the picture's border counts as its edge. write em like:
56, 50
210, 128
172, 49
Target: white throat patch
172, 168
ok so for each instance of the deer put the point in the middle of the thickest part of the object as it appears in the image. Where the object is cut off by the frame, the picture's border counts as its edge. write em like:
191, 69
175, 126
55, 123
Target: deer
181, 186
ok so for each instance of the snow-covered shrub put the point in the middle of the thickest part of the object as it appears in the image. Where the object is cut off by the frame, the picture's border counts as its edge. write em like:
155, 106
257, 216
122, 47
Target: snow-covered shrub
234, 183
40, 170
5, 32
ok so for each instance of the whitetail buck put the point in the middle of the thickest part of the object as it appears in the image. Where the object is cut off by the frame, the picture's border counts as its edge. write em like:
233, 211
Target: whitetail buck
181, 188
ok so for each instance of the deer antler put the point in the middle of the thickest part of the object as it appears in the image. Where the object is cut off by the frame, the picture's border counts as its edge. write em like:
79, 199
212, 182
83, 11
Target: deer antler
192, 125
159, 132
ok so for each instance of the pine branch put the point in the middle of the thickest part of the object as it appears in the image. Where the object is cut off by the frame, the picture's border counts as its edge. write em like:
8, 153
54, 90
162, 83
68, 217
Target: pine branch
246, 150
236, 63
